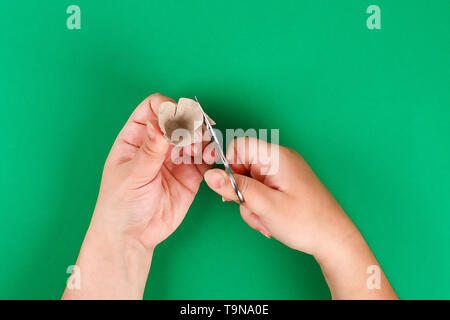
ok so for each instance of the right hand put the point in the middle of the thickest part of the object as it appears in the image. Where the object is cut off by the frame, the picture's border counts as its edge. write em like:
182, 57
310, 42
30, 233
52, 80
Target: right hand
291, 204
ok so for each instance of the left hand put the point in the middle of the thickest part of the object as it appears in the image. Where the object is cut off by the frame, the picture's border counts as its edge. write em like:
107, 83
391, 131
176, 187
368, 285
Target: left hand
143, 198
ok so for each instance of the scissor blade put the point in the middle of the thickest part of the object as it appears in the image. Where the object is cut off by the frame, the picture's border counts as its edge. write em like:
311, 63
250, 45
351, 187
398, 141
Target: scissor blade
213, 135
221, 154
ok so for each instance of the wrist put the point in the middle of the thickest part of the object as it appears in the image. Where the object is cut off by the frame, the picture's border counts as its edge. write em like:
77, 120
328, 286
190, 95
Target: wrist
340, 234
345, 266
112, 266
339, 247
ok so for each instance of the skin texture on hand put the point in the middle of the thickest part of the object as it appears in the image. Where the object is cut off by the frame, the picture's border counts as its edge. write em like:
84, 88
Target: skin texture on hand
143, 198
293, 206
139, 178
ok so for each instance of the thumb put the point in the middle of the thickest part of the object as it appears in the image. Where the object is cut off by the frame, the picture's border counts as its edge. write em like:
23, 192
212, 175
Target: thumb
258, 197
149, 158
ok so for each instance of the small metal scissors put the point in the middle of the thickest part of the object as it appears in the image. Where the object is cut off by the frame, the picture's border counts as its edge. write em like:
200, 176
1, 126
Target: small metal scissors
221, 154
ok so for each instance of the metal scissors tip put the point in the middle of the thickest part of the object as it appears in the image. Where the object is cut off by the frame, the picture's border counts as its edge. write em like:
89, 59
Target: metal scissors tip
221, 154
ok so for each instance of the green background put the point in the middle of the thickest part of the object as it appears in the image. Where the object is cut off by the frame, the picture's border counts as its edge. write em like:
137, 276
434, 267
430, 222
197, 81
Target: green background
368, 109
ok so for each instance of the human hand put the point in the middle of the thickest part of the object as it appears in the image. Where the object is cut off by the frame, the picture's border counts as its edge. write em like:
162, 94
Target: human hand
292, 205
143, 198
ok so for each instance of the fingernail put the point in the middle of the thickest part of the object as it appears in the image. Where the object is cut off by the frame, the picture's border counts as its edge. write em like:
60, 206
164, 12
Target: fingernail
267, 235
150, 131
225, 200
215, 180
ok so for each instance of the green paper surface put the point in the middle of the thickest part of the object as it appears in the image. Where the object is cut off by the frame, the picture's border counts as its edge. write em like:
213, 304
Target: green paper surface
368, 109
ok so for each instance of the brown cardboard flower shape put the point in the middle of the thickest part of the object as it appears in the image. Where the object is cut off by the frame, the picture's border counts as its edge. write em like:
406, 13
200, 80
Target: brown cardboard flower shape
182, 123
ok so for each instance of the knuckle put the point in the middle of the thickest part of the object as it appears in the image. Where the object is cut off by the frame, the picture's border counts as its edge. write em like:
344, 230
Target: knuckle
156, 94
238, 141
148, 151
243, 185
289, 151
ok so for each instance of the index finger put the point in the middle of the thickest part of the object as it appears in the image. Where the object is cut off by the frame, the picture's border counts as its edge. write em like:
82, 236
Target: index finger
257, 158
